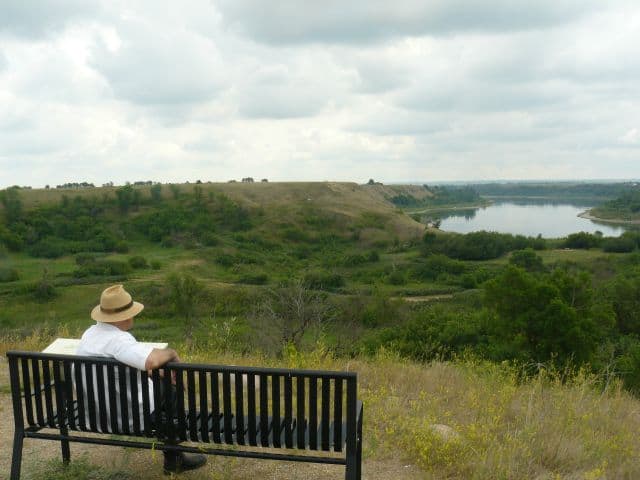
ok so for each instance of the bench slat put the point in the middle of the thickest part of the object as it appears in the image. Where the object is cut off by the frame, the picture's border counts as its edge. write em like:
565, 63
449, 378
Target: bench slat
312, 434
123, 411
300, 417
288, 412
204, 411
37, 391
215, 406
134, 402
276, 424
180, 412
264, 410
146, 420
240, 423
48, 400
82, 419
102, 403
113, 402
226, 397
337, 416
60, 418
324, 422
251, 409
68, 389
26, 386
193, 420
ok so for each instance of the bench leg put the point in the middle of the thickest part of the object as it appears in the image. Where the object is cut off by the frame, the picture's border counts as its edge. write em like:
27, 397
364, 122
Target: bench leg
64, 445
16, 460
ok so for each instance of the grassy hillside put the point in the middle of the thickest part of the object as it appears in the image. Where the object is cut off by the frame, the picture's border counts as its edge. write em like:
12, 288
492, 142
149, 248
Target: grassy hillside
520, 345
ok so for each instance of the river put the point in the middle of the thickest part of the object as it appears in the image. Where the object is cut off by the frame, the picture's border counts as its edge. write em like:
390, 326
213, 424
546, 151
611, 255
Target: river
551, 220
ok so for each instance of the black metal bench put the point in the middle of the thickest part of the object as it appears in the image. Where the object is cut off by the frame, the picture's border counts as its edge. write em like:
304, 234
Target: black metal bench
242, 406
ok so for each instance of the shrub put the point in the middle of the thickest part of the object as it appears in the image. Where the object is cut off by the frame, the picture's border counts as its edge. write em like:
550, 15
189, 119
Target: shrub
436, 265
225, 260
527, 259
8, 275
103, 268
85, 258
209, 239
156, 265
50, 247
397, 277
254, 279
618, 245
121, 247
354, 260
323, 281
138, 262
582, 240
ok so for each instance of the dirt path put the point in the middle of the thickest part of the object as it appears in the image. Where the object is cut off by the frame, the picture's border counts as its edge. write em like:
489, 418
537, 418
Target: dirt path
426, 298
146, 465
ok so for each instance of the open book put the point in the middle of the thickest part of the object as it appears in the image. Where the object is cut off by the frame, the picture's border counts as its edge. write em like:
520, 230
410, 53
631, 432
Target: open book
68, 346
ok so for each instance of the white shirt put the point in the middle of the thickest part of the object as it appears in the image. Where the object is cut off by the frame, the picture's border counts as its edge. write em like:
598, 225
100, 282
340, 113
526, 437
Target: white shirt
106, 340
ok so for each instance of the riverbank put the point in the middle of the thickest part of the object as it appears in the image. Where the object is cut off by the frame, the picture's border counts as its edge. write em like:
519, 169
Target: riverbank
587, 215
440, 208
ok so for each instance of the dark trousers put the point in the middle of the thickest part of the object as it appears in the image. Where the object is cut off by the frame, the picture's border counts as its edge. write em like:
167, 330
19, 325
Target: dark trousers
159, 412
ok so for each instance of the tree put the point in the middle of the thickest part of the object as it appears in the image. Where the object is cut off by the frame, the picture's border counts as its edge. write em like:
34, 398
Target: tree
125, 197
10, 199
544, 318
287, 313
184, 295
156, 193
527, 259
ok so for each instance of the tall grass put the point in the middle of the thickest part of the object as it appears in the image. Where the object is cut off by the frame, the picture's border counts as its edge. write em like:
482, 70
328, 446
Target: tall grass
503, 427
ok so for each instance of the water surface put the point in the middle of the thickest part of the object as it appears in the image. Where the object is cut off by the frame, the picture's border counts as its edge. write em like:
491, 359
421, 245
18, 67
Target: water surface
551, 220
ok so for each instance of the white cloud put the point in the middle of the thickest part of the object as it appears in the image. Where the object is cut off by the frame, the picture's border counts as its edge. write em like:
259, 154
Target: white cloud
114, 90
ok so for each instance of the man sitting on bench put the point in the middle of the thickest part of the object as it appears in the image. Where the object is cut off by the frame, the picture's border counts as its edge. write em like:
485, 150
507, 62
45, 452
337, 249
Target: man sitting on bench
110, 337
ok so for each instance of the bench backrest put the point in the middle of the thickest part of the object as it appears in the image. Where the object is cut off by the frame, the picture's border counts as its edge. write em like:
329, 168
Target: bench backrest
213, 403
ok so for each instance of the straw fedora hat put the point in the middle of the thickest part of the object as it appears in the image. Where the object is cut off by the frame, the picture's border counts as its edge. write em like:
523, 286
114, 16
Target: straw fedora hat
115, 305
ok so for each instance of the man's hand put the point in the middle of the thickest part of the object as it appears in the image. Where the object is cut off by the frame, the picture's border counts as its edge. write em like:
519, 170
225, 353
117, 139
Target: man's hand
159, 356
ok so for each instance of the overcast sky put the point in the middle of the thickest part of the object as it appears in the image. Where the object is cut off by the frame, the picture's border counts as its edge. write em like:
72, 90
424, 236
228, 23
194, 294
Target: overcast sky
397, 90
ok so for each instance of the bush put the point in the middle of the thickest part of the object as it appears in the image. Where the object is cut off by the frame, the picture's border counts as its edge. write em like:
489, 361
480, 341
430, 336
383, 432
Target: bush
397, 278
156, 265
254, 279
618, 245
121, 247
85, 258
527, 259
354, 260
582, 240
104, 268
8, 275
436, 265
323, 281
50, 248
138, 262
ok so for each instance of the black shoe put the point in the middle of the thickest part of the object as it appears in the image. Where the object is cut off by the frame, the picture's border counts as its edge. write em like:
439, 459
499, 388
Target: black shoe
181, 462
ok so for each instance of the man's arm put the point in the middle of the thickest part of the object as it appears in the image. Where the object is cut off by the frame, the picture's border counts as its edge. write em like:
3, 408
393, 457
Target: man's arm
159, 356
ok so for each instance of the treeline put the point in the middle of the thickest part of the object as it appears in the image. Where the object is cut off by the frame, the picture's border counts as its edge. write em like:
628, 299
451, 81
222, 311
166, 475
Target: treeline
602, 191
104, 224
440, 195
625, 207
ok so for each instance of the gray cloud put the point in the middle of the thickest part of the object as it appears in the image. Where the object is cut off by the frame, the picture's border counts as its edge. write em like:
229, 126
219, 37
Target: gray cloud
152, 66
335, 21
306, 90
37, 18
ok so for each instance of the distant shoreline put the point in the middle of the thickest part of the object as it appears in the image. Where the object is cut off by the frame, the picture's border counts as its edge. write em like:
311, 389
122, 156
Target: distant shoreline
619, 221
